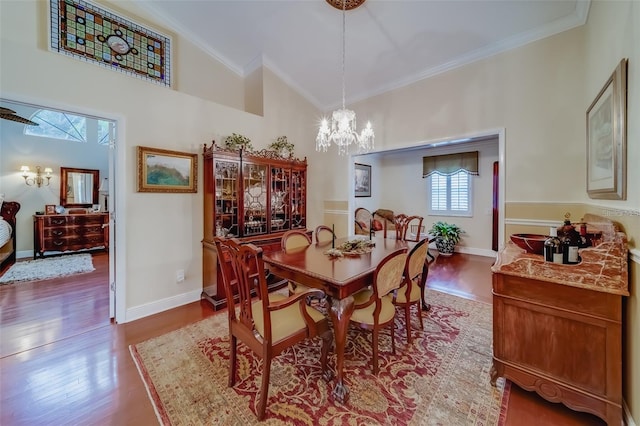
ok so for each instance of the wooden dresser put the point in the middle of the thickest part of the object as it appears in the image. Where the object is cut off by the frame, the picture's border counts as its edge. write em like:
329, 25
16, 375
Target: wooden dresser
69, 232
557, 329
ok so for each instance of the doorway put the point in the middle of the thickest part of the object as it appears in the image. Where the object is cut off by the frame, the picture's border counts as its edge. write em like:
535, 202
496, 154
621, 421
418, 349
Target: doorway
493, 137
90, 143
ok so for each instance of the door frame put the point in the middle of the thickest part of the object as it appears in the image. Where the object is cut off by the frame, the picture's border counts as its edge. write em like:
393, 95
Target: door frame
117, 160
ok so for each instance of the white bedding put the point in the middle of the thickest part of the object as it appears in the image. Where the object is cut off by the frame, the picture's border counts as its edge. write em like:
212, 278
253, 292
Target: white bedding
5, 232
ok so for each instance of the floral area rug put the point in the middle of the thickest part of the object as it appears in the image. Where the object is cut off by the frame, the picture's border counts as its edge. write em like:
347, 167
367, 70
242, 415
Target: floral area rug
44, 269
442, 378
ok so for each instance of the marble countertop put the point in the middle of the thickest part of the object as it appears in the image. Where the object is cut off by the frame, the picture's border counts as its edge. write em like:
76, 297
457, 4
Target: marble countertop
602, 268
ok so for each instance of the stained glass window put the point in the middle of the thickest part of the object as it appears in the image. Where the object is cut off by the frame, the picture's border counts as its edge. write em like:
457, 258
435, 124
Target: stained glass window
88, 32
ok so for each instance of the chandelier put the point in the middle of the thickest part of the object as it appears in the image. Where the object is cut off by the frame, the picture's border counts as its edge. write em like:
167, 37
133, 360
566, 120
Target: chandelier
342, 131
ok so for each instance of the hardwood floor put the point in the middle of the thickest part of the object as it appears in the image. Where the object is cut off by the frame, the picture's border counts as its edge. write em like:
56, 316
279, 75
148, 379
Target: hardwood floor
63, 362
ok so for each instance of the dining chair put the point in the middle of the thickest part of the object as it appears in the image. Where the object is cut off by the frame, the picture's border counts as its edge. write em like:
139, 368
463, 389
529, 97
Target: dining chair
292, 240
267, 323
404, 223
411, 292
373, 307
324, 234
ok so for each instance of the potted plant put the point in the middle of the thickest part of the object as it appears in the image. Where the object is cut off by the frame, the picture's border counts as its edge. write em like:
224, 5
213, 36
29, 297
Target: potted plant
446, 236
282, 146
236, 141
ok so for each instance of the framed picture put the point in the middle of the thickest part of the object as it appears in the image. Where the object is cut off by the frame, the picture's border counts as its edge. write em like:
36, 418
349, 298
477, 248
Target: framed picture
363, 180
160, 170
50, 209
606, 139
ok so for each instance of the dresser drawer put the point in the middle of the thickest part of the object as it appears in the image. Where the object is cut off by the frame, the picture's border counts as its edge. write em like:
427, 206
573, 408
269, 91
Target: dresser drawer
71, 231
72, 220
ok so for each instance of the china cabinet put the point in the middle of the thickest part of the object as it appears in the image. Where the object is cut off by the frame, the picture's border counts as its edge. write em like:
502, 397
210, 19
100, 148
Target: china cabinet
254, 197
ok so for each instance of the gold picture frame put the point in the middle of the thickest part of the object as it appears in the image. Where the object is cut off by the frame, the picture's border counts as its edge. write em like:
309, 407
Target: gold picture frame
606, 139
50, 209
162, 170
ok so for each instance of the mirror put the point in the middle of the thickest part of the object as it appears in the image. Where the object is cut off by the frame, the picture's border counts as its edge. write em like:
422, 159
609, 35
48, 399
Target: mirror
78, 187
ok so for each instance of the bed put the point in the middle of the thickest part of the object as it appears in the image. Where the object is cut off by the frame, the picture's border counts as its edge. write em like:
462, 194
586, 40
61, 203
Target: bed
8, 213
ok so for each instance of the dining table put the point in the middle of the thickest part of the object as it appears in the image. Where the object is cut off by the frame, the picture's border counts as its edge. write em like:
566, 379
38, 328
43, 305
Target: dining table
340, 278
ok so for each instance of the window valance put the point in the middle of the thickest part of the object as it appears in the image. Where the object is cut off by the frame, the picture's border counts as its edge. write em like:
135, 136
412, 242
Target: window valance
450, 164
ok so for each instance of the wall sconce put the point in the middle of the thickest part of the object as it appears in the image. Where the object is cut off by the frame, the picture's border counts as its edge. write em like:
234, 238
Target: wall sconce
36, 179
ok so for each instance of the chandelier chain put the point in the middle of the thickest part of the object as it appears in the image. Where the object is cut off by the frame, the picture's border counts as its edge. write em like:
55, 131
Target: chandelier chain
344, 49
341, 131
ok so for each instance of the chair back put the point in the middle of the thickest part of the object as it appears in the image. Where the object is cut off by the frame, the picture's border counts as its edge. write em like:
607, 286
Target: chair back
248, 267
229, 280
388, 274
294, 239
324, 234
417, 260
404, 223
400, 225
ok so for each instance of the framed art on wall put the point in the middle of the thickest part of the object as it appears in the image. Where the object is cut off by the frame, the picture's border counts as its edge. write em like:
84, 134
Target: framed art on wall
362, 180
606, 139
161, 170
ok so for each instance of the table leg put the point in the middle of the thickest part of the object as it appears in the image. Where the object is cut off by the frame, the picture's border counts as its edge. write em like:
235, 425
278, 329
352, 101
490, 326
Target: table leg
340, 313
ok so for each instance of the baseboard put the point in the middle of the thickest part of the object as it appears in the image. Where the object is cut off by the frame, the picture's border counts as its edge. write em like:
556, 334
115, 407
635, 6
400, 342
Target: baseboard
627, 414
476, 251
23, 254
162, 305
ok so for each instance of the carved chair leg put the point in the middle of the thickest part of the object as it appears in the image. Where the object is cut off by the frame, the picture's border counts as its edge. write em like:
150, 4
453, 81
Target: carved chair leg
264, 389
374, 347
419, 307
407, 320
393, 337
233, 343
327, 341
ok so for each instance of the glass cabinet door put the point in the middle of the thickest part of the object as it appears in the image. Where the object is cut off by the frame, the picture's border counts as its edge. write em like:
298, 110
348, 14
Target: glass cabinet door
298, 199
280, 199
226, 198
254, 177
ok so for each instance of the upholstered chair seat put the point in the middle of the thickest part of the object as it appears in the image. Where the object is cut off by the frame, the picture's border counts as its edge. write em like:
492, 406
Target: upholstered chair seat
284, 322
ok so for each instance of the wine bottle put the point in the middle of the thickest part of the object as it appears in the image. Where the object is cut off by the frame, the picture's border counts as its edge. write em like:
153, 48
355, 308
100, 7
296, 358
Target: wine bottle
553, 250
570, 243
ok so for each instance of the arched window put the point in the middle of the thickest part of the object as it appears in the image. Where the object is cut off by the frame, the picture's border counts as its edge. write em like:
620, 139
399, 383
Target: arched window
66, 126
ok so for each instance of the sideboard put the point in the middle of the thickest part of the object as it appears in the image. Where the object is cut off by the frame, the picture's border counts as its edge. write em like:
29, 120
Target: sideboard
557, 329
69, 232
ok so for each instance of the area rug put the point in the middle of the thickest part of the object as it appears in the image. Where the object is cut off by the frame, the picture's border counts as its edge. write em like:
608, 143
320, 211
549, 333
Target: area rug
442, 378
51, 267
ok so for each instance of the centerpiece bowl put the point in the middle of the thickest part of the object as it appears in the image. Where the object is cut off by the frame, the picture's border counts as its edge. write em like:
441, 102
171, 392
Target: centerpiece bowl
532, 243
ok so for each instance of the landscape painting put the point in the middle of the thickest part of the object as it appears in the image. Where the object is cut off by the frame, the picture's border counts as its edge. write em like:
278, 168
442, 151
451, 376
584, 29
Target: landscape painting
161, 170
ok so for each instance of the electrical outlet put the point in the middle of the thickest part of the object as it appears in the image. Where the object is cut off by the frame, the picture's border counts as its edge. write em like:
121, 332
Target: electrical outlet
180, 275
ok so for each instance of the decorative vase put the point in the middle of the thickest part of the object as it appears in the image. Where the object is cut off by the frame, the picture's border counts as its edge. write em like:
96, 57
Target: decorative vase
446, 248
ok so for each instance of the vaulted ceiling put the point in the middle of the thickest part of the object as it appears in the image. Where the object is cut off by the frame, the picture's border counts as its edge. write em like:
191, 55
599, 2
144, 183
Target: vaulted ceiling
389, 43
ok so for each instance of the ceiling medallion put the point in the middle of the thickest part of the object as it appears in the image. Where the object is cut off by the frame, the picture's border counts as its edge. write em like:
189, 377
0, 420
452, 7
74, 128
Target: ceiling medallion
349, 4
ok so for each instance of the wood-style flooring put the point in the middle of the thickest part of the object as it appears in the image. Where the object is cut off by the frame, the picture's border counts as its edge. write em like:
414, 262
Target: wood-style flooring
63, 362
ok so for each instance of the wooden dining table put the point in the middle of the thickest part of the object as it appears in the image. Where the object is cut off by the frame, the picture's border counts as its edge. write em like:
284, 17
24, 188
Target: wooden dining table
339, 278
